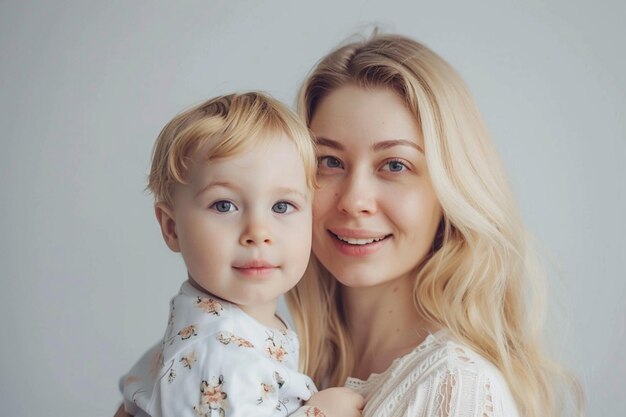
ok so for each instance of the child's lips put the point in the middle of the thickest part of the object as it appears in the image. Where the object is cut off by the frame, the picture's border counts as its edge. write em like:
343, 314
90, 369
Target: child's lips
255, 268
256, 263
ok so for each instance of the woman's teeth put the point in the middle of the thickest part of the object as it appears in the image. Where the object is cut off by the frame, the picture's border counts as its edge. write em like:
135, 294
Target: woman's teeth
354, 241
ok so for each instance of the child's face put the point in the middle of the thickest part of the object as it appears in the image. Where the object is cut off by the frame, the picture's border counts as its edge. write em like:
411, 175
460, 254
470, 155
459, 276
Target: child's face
243, 224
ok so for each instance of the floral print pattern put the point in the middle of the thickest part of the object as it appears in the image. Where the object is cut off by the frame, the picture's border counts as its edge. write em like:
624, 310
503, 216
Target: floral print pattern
280, 381
227, 337
188, 360
212, 397
209, 305
266, 390
274, 348
187, 332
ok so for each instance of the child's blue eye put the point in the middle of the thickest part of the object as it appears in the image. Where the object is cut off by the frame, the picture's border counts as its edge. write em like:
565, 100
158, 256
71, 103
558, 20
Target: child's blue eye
282, 207
223, 206
329, 162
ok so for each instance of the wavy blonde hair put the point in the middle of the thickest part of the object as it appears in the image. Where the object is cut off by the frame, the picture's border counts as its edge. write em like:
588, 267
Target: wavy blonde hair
482, 279
224, 126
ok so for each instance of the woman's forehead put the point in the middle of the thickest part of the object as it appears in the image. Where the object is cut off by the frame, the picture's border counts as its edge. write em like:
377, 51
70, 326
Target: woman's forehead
374, 116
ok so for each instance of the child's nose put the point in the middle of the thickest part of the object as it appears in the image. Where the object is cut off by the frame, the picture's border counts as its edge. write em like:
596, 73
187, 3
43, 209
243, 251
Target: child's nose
257, 233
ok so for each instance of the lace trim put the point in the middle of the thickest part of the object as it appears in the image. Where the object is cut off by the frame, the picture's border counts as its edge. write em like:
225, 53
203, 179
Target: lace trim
462, 356
488, 410
354, 383
444, 395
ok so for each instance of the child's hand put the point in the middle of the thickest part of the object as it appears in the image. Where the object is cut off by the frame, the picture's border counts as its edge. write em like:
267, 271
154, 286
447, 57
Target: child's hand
338, 402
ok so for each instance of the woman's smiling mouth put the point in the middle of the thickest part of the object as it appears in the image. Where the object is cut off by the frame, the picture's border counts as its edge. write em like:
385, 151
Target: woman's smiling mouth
358, 243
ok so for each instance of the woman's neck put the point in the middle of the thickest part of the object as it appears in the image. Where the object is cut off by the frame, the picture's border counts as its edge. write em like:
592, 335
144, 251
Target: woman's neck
384, 324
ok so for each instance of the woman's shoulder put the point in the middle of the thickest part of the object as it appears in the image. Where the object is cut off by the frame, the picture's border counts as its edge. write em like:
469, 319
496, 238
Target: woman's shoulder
443, 373
441, 351
441, 376
443, 358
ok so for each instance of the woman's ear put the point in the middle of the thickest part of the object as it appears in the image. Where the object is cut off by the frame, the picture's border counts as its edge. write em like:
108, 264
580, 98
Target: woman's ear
165, 217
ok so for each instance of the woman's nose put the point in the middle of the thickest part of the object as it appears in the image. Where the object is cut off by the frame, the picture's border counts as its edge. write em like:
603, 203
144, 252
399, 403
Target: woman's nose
357, 197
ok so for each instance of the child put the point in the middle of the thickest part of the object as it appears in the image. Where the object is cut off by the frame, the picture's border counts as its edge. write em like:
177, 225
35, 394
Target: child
233, 181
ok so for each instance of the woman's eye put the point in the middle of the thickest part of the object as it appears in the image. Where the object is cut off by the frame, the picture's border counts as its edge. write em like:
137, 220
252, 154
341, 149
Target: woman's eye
328, 162
395, 166
282, 207
223, 206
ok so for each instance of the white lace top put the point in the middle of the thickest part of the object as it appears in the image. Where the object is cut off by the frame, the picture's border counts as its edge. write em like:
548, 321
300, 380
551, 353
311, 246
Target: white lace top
439, 378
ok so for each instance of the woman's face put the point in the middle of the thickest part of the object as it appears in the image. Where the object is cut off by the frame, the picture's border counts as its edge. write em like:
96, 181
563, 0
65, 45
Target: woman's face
375, 214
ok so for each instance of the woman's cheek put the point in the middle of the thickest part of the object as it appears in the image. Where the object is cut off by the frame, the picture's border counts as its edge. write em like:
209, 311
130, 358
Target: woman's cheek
324, 197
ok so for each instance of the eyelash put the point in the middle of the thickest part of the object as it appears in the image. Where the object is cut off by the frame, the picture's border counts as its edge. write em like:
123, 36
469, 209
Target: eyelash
293, 207
214, 206
321, 159
396, 161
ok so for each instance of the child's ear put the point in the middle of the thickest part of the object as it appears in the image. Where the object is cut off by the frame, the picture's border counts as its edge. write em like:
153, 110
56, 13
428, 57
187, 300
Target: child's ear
165, 217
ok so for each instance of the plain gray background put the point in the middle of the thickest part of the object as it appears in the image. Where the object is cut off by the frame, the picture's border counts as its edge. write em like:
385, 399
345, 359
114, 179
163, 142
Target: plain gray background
85, 87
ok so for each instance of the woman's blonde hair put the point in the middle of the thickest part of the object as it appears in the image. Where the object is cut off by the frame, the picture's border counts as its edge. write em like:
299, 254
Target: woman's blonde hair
482, 279
222, 127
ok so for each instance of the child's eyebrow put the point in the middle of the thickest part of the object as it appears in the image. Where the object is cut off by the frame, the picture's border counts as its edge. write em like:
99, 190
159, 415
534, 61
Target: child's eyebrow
212, 184
279, 190
294, 191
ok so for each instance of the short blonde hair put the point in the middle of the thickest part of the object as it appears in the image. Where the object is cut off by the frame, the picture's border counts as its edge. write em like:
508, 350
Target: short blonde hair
224, 126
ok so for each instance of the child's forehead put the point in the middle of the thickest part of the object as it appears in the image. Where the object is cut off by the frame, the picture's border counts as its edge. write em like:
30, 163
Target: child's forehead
241, 148
267, 161
269, 155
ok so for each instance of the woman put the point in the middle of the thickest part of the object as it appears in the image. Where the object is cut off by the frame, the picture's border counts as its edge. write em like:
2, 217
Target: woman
424, 293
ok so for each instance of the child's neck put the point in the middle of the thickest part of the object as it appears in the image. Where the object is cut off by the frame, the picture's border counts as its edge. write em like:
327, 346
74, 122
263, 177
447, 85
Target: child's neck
264, 313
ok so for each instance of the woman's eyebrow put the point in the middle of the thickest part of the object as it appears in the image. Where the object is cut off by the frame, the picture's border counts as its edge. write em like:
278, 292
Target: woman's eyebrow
329, 143
386, 144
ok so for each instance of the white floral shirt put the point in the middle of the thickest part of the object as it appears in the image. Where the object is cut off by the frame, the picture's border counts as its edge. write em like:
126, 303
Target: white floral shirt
216, 361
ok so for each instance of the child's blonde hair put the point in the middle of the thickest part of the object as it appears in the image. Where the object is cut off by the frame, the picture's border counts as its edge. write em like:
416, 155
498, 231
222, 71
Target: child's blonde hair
482, 279
223, 126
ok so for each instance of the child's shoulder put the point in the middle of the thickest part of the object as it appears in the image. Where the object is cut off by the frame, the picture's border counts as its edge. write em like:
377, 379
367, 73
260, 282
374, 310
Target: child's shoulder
195, 316
191, 304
